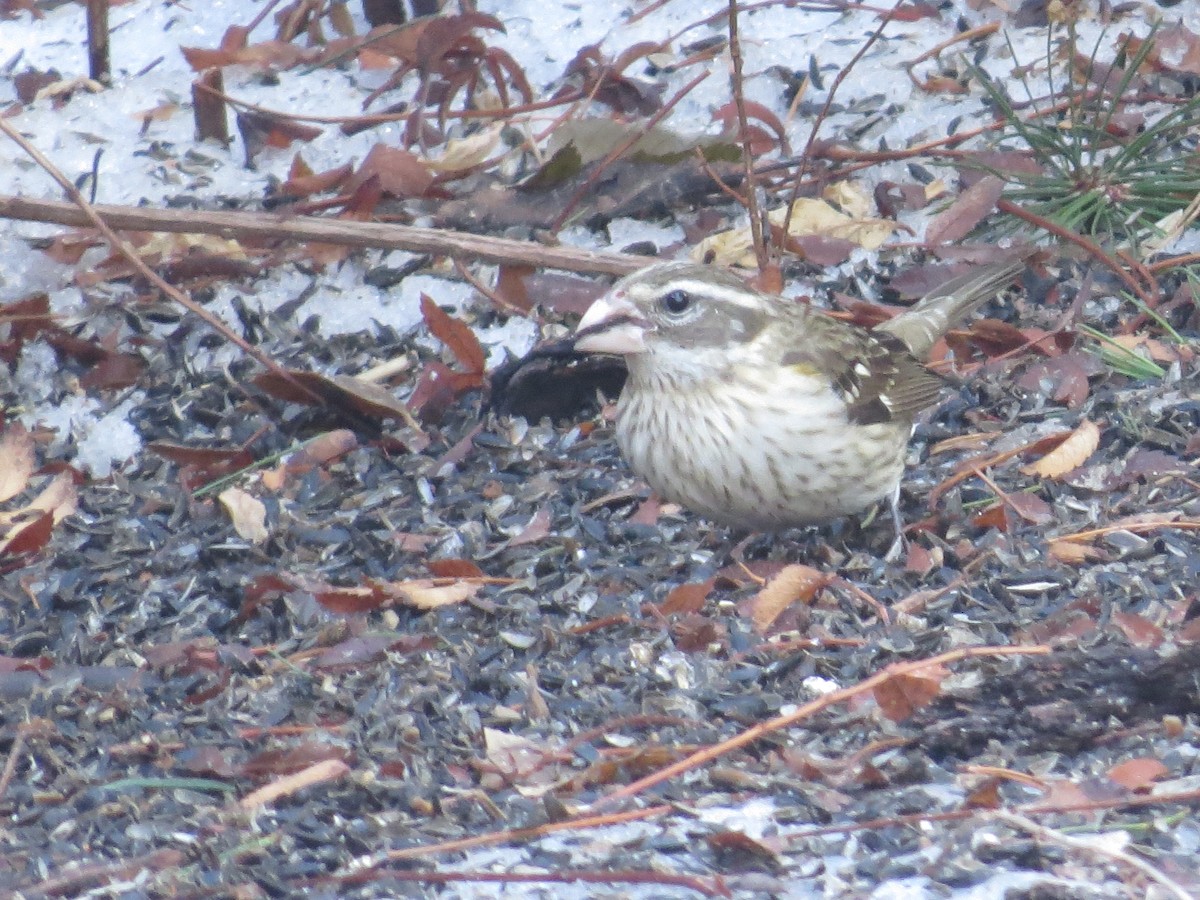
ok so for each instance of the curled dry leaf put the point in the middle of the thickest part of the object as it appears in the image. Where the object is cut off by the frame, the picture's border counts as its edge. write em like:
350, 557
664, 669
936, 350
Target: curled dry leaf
1069, 455
793, 584
430, 593
320, 450
247, 513
16, 461
461, 154
302, 181
339, 391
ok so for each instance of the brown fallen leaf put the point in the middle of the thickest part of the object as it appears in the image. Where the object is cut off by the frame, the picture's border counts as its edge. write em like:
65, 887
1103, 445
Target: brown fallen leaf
793, 584
16, 460
687, 598
431, 593
248, 514
1068, 455
957, 221
1138, 775
902, 695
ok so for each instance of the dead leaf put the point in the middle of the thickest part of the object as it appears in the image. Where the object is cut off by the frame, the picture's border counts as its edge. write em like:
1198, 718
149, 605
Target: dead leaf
338, 391
260, 130
902, 695
26, 539
431, 593
320, 450
1063, 379
1068, 455
810, 217
536, 530
453, 568
455, 334
248, 514
16, 460
1138, 630
1138, 775
794, 584
401, 174
1072, 553
961, 217
1030, 507
461, 154
303, 182
59, 497
687, 598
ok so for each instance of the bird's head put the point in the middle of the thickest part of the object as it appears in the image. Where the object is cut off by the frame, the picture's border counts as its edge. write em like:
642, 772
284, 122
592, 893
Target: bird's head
677, 316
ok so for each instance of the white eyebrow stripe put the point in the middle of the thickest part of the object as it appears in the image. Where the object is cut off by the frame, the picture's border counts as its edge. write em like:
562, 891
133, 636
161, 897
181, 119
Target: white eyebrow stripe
745, 298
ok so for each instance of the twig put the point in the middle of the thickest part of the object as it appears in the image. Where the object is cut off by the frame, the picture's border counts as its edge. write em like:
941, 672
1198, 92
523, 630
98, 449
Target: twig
806, 153
954, 815
710, 886
88, 214
14, 753
1135, 527
242, 225
761, 251
778, 723
527, 834
969, 35
1041, 832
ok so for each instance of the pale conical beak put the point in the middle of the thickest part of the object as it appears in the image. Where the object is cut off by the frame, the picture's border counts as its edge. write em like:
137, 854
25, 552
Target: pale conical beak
612, 325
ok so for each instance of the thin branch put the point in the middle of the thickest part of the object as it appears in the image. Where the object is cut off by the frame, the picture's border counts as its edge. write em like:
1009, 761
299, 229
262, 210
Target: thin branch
806, 153
1092, 848
242, 225
736, 86
89, 215
750, 735
526, 834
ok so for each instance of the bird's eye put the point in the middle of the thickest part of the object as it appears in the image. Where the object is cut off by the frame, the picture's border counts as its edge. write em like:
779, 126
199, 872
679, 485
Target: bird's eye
676, 301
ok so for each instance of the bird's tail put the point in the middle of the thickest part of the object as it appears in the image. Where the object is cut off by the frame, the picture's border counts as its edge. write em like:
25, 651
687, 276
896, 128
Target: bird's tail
922, 325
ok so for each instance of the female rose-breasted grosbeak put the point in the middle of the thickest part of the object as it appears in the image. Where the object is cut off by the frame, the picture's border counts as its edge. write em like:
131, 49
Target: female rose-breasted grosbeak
763, 413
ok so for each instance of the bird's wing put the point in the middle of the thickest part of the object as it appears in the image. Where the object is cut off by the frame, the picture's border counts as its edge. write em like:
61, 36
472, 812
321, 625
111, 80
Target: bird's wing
873, 372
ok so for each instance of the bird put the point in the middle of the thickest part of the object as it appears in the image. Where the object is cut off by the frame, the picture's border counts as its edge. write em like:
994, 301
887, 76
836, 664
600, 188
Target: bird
763, 413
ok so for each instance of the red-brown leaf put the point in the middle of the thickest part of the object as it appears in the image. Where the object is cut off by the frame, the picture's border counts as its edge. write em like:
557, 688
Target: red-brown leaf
966, 212
902, 695
455, 334
687, 598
